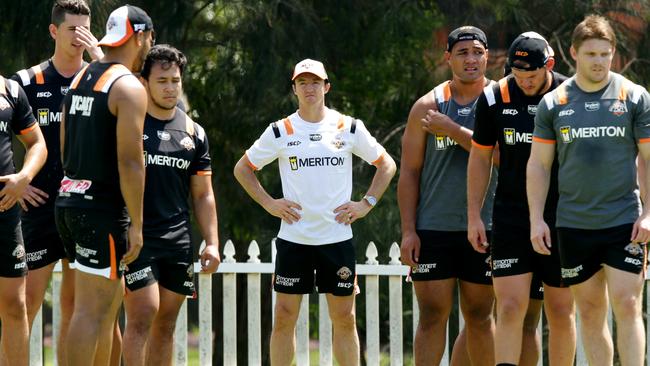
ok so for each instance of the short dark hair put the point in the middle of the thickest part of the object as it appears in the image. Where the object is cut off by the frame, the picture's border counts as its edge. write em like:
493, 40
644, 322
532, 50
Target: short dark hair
166, 56
63, 7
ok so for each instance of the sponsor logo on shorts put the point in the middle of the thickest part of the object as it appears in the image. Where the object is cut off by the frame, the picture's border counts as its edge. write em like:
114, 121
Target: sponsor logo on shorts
85, 252
189, 284
344, 273
345, 284
634, 261
19, 251
592, 106
36, 256
488, 261
566, 112
286, 281
187, 143
618, 108
634, 249
190, 271
532, 109
571, 272
138, 275
504, 263
465, 111
20, 265
444, 141
424, 267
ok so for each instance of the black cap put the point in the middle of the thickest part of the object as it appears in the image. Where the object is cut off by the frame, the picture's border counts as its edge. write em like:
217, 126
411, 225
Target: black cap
529, 51
466, 33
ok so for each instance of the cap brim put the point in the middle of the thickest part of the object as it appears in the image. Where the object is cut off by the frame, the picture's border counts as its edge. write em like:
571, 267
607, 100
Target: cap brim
324, 77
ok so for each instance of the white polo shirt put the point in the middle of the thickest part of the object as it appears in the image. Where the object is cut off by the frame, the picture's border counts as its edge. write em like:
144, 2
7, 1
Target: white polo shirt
315, 161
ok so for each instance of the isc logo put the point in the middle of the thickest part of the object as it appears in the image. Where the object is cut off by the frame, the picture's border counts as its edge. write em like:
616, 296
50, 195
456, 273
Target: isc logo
81, 104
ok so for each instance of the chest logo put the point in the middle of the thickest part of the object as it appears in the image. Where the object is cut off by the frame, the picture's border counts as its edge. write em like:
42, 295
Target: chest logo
532, 109
315, 137
566, 112
81, 104
45, 94
565, 132
293, 143
164, 135
338, 142
510, 112
618, 108
592, 106
464, 112
187, 143
509, 136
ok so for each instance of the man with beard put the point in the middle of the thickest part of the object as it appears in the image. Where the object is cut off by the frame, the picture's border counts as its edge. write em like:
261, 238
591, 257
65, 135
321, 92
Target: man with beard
101, 144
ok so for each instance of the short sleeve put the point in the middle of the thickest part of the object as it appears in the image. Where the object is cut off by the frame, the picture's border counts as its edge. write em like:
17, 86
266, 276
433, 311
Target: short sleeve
366, 147
484, 127
544, 122
23, 119
201, 165
642, 115
264, 150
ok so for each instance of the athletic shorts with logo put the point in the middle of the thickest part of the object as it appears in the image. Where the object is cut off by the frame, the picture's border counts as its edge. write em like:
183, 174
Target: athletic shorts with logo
448, 254
12, 250
583, 252
167, 261
335, 266
94, 240
513, 254
42, 241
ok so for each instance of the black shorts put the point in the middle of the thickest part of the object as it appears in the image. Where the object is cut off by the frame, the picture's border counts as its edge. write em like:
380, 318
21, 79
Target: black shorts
583, 252
166, 261
42, 241
12, 250
94, 240
513, 254
448, 254
335, 267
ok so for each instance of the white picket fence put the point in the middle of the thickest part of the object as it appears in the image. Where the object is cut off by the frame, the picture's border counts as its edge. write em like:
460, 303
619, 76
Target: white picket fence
253, 268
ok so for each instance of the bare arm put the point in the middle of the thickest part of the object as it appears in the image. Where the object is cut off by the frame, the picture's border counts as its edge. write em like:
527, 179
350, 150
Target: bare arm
435, 122
205, 212
479, 168
128, 101
35, 155
282, 208
538, 176
642, 177
354, 210
641, 228
408, 184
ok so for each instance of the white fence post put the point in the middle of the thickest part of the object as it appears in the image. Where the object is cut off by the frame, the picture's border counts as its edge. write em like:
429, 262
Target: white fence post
324, 332
180, 337
254, 313
372, 309
395, 310
229, 310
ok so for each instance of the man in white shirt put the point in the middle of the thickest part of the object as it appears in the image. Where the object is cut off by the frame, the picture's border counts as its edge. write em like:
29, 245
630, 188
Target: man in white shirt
314, 148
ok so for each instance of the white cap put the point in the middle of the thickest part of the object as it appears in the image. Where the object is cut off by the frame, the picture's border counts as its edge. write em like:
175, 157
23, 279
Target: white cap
309, 66
124, 22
